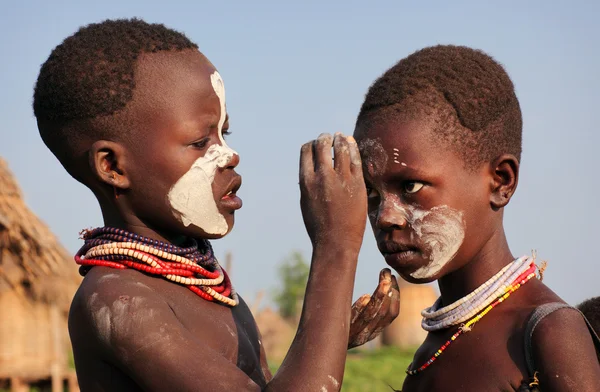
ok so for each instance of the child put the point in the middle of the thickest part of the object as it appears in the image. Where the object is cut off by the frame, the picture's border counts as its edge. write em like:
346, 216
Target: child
137, 114
440, 138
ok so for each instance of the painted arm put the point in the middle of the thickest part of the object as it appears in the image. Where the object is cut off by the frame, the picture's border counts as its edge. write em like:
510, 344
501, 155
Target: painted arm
334, 209
564, 353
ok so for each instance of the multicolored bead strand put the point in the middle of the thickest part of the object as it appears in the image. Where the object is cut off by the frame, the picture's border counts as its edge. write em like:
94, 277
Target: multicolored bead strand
195, 268
523, 278
436, 318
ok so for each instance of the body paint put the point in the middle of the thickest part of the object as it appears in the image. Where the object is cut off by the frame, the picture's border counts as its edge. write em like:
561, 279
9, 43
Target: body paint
396, 156
439, 233
192, 197
373, 156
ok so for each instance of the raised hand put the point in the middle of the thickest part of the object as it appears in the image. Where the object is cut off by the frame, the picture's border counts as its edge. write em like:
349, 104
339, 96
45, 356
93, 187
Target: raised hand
372, 313
333, 197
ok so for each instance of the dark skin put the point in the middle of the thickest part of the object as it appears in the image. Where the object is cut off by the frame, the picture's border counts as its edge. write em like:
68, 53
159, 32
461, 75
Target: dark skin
490, 357
131, 331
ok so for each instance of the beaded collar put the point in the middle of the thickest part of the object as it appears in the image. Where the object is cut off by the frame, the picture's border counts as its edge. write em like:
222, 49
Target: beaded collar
194, 266
468, 310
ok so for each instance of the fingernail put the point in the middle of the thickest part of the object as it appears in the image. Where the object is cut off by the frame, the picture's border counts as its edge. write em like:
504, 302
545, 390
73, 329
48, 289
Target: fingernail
351, 139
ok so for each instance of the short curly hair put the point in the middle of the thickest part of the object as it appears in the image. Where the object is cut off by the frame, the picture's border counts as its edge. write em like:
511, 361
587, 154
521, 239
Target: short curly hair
591, 310
90, 76
469, 94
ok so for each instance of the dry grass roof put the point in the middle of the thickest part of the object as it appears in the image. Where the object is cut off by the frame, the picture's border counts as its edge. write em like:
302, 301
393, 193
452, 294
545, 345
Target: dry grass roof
32, 261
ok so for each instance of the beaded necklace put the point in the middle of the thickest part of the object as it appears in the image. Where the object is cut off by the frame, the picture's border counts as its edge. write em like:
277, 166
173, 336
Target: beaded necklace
436, 318
506, 290
195, 268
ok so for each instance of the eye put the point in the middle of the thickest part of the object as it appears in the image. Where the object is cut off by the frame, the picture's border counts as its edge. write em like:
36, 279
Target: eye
413, 187
202, 143
371, 193
225, 133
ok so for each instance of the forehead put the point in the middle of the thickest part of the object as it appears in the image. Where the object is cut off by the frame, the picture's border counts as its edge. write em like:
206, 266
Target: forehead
392, 146
175, 84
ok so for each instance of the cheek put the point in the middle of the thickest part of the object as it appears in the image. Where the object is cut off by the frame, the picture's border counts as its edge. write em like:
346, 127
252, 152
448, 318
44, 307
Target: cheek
441, 232
192, 198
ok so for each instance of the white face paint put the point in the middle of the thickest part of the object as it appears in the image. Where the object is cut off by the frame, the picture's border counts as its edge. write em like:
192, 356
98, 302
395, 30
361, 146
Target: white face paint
192, 197
439, 232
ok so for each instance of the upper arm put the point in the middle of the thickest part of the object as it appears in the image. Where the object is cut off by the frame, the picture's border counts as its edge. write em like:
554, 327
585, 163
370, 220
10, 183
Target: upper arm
564, 353
140, 334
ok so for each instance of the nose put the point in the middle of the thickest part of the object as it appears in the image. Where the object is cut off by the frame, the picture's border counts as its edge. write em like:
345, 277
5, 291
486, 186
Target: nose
234, 161
391, 216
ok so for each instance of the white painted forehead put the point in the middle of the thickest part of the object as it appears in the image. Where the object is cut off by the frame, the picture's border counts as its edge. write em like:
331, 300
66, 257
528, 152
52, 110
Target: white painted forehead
218, 85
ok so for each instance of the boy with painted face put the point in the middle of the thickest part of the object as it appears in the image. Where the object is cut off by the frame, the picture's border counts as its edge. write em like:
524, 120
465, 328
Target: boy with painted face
440, 138
137, 114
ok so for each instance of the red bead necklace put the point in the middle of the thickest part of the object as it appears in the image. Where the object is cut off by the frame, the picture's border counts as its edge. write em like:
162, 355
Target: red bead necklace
117, 248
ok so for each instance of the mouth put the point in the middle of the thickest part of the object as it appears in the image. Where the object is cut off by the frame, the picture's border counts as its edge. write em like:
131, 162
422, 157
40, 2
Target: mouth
391, 247
398, 254
230, 200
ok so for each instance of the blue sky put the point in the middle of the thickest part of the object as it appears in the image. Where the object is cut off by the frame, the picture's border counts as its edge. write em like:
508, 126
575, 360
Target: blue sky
296, 69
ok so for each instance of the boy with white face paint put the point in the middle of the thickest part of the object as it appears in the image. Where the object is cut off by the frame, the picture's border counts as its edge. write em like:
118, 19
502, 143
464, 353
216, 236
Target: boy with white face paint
142, 126
440, 140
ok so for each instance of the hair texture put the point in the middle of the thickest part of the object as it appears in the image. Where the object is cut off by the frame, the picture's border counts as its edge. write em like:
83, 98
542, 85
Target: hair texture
89, 77
469, 96
591, 310
92, 72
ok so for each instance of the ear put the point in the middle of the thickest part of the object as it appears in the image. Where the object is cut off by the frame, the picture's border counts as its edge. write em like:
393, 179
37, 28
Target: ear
504, 179
108, 164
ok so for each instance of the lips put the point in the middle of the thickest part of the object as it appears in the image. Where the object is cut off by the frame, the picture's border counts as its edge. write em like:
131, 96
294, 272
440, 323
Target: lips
391, 247
230, 200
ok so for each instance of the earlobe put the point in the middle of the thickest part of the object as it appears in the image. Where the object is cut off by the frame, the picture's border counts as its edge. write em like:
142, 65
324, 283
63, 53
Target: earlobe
107, 162
505, 177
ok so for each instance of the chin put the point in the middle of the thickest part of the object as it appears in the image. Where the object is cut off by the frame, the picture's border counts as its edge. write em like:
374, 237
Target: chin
412, 267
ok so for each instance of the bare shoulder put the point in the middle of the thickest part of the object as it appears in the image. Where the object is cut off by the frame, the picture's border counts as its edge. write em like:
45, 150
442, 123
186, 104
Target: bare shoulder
109, 304
563, 351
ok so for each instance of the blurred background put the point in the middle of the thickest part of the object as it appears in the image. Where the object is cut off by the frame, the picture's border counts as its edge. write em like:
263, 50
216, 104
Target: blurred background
293, 70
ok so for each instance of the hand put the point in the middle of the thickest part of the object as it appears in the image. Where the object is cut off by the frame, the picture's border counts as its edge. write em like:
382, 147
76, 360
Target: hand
333, 197
372, 313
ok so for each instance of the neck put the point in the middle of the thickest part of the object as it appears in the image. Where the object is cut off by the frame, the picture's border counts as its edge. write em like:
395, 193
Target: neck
490, 259
114, 217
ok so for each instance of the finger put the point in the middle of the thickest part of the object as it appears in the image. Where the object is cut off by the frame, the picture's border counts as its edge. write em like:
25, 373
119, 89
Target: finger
392, 311
358, 307
374, 305
306, 162
341, 155
322, 151
374, 317
354, 153
395, 302
379, 321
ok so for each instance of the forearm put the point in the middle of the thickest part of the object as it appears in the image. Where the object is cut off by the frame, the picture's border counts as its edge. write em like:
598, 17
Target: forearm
317, 356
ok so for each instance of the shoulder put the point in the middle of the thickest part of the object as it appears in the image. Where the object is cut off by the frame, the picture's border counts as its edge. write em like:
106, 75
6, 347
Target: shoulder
109, 302
564, 353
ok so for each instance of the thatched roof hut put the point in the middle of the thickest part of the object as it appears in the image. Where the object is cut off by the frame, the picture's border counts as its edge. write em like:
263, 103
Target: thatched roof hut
37, 281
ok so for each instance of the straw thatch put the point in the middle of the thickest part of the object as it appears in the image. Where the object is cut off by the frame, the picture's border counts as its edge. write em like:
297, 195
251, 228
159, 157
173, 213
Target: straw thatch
37, 281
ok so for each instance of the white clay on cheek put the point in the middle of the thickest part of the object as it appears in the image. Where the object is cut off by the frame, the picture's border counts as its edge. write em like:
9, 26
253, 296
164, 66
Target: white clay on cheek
192, 197
439, 232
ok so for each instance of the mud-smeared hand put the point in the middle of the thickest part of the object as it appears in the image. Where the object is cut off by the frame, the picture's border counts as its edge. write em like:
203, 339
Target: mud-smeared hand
333, 197
372, 313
